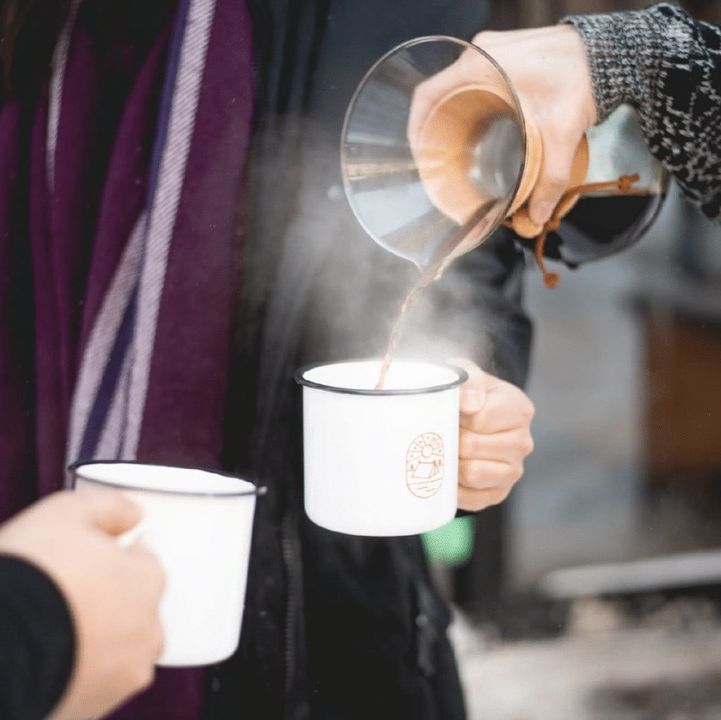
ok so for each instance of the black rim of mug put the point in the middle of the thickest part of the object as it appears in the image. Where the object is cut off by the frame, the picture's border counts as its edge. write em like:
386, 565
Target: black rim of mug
76, 471
462, 376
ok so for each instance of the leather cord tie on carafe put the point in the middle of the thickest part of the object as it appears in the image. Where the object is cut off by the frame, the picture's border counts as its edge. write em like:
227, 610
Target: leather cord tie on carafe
624, 186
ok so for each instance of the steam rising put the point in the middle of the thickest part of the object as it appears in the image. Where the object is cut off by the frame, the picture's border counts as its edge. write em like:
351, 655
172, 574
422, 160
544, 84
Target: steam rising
334, 294
360, 288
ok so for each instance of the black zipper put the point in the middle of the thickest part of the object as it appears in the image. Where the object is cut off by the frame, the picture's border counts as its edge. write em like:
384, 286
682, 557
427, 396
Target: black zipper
426, 618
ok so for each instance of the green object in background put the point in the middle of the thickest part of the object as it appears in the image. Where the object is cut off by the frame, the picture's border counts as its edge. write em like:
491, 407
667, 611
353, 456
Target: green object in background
451, 544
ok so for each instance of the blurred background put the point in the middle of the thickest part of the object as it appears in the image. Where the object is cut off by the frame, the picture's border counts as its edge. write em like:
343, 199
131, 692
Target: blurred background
595, 592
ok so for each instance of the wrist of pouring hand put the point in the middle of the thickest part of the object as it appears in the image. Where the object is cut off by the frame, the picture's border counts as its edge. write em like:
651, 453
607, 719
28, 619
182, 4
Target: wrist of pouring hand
624, 52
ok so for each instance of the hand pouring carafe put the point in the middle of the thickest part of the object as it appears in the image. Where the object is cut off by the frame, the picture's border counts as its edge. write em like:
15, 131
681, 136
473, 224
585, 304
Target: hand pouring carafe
431, 179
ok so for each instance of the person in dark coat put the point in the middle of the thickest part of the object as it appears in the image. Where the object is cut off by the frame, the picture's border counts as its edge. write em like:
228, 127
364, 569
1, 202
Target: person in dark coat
362, 630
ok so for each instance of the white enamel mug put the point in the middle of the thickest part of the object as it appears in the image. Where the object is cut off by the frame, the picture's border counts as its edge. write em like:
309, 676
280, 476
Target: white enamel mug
381, 462
199, 525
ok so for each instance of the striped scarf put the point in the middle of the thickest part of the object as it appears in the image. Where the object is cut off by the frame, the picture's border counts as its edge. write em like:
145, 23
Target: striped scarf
119, 256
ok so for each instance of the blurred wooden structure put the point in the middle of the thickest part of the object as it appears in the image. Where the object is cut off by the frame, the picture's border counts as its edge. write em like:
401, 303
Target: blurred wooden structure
681, 323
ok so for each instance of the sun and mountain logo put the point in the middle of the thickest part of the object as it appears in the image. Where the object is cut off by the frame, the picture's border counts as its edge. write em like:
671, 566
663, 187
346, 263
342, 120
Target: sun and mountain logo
425, 461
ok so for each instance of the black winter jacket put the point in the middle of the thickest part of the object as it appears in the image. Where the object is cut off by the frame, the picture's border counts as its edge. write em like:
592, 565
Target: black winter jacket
339, 627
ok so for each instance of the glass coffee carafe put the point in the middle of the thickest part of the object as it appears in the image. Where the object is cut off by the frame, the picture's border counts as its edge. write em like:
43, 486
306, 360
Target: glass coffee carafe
437, 153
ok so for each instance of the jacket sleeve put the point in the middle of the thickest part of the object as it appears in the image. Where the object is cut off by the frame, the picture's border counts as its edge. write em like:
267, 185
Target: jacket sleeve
668, 66
37, 645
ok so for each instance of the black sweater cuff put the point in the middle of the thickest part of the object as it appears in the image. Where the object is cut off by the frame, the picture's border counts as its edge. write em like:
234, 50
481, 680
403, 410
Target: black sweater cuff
37, 641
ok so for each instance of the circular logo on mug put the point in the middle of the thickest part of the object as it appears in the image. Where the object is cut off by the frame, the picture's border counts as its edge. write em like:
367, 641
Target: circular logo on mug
424, 465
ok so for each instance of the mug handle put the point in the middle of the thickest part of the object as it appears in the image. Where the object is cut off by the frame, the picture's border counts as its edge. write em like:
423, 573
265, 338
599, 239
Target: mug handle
131, 536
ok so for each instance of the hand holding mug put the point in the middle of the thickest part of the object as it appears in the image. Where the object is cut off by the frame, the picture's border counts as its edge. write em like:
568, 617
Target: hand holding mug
495, 438
112, 593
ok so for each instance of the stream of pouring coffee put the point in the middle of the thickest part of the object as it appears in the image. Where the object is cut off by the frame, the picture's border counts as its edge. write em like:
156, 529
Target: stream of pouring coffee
433, 273
425, 280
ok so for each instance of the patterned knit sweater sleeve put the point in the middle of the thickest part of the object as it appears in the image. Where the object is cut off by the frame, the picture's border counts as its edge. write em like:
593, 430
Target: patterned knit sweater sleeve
668, 67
